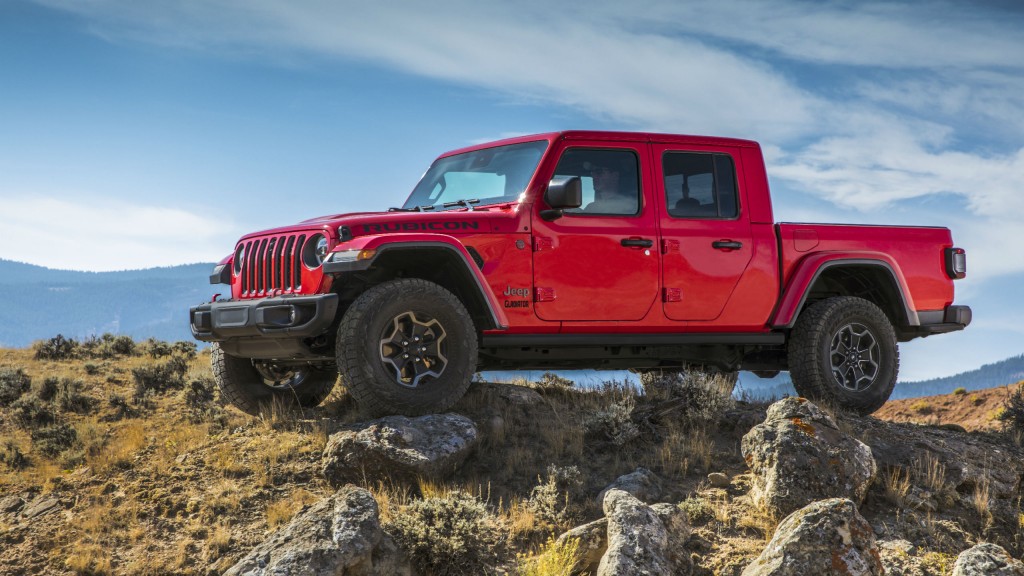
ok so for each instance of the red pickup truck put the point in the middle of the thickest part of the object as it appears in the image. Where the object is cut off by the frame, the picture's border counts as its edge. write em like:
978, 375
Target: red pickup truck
575, 250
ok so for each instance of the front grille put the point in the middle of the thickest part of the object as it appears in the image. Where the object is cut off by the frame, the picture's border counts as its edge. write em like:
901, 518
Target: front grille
272, 263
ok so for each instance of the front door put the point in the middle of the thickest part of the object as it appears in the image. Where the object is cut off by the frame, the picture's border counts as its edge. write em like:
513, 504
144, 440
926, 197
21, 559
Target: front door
599, 262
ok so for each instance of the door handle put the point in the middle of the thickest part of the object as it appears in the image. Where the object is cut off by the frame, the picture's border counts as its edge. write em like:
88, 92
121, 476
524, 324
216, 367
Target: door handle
727, 245
637, 242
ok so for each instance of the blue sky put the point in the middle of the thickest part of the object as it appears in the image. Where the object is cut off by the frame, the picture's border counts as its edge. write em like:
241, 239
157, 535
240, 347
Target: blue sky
137, 134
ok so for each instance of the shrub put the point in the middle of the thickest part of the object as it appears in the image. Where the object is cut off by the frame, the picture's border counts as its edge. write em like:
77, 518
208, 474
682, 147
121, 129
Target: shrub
550, 380
614, 421
159, 378
1012, 413
922, 407
199, 400
31, 412
13, 383
69, 396
121, 346
121, 408
960, 391
56, 348
13, 457
91, 369
451, 535
549, 500
698, 510
695, 398
47, 389
157, 348
52, 440
186, 350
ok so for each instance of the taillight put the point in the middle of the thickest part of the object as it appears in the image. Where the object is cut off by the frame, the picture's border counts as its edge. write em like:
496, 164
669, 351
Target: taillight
956, 263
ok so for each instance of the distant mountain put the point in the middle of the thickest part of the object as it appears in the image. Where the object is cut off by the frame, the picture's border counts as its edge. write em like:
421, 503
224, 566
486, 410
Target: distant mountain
1009, 371
41, 302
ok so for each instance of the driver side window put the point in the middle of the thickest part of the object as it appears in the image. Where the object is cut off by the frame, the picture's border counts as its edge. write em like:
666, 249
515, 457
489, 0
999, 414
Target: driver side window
610, 178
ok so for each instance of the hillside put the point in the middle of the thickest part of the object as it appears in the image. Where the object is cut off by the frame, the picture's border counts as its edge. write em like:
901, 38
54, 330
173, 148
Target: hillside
120, 461
975, 410
154, 302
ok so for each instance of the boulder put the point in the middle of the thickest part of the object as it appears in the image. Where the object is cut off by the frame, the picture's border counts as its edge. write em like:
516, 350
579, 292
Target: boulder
718, 480
677, 526
398, 448
641, 483
593, 542
825, 538
11, 504
43, 504
637, 539
340, 535
798, 455
987, 559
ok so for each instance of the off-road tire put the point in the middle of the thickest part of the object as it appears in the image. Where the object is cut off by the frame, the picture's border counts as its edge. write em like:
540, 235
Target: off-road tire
242, 385
819, 330
375, 385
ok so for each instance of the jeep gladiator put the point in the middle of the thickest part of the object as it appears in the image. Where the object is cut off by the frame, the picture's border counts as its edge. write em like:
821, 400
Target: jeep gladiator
575, 249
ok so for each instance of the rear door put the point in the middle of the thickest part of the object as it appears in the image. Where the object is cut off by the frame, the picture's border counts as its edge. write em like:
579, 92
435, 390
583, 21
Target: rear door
706, 238
600, 262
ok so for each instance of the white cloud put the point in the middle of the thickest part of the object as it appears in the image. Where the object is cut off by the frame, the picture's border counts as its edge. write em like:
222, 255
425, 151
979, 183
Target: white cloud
910, 78
103, 236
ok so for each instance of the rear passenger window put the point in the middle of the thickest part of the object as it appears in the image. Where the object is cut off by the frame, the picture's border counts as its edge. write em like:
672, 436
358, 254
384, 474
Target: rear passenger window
700, 185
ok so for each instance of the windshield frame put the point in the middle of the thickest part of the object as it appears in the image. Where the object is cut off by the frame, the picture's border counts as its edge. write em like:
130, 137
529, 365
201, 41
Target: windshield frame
424, 195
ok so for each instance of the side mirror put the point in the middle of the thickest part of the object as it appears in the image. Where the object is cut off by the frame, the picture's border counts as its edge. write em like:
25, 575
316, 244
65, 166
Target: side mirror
563, 192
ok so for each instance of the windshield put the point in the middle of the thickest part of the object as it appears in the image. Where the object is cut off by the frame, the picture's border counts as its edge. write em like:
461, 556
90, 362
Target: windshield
492, 176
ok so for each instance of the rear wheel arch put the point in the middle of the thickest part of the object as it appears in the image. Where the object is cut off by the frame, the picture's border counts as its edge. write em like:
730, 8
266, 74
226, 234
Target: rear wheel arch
872, 280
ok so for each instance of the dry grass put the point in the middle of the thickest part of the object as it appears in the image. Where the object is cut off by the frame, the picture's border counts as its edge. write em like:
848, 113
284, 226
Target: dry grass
553, 559
980, 499
897, 486
281, 511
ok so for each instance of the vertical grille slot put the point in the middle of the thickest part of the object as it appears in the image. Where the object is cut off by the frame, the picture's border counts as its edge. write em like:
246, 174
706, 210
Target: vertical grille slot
272, 264
261, 267
297, 261
286, 264
279, 270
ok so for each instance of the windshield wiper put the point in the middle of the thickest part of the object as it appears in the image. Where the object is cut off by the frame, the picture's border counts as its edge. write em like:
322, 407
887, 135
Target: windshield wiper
423, 208
467, 203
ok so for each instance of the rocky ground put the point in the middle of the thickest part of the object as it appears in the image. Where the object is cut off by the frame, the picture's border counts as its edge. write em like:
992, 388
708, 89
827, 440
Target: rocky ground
115, 458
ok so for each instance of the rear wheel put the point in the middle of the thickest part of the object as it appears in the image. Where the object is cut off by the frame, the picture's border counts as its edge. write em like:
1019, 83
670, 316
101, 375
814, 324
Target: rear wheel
843, 350
406, 347
251, 385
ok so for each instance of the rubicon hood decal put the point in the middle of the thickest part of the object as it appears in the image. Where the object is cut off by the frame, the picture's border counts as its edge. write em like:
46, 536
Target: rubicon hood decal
435, 226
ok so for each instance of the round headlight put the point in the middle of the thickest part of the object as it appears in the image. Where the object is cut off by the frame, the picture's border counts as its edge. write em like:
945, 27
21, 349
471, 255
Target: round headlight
315, 251
239, 258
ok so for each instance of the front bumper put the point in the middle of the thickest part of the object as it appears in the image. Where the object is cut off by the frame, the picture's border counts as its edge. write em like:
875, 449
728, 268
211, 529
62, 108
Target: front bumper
276, 318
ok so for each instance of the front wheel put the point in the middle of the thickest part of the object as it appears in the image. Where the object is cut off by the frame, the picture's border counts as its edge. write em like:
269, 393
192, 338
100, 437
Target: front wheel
843, 350
252, 385
406, 347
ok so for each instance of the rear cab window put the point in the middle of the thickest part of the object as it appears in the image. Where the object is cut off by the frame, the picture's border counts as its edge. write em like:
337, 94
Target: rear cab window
700, 185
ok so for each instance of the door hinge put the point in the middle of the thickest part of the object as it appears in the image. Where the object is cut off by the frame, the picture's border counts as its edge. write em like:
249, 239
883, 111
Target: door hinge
669, 246
543, 294
672, 295
542, 243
